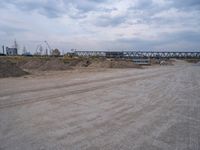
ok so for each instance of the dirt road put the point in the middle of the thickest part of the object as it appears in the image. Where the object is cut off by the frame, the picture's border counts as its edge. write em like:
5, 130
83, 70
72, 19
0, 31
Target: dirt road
154, 108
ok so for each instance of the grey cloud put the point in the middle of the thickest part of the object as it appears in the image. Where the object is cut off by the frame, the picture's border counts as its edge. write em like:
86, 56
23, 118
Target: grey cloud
152, 6
105, 21
53, 8
144, 11
85, 6
143, 4
48, 8
56, 8
186, 4
137, 43
189, 36
10, 30
186, 38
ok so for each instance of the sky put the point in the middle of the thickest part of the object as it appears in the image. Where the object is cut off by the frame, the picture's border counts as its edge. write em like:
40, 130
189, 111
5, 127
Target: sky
101, 24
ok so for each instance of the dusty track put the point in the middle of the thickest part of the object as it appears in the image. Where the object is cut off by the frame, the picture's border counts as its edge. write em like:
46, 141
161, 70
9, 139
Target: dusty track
156, 108
87, 87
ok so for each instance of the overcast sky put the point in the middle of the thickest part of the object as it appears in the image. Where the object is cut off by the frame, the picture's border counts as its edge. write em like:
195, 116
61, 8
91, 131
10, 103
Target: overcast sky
102, 24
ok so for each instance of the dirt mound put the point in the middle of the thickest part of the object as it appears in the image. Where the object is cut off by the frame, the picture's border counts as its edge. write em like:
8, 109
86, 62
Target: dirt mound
54, 64
44, 65
168, 62
83, 63
32, 64
9, 69
113, 64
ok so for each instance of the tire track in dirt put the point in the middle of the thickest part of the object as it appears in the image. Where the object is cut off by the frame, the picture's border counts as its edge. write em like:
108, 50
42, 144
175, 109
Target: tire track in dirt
124, 115
79, 91
66, 85
75, 84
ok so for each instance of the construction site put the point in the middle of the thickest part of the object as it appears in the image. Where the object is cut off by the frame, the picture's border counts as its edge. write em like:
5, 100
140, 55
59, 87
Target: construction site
99, 75
89, 102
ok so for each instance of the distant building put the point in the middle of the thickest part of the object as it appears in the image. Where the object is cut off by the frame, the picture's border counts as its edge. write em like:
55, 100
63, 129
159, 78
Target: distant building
11, 51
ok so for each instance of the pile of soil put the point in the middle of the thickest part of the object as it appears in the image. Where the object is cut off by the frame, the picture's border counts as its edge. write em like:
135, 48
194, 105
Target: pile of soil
84, 63
54, 64
9, 69
32, 64
45, 65
168, 62
114, 64
13, 67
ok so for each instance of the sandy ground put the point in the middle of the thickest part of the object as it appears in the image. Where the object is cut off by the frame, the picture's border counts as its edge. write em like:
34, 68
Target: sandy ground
140, 109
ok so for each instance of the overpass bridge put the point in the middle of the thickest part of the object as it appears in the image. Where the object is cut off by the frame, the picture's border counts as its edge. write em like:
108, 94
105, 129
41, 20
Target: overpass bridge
140, 54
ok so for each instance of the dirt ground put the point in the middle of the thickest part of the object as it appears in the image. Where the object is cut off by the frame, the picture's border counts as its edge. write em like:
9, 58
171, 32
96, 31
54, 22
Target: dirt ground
110, 109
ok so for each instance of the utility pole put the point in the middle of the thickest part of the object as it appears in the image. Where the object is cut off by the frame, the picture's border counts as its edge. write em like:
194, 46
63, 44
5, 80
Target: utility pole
16, 45
24, 50
46, 52
3, 48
